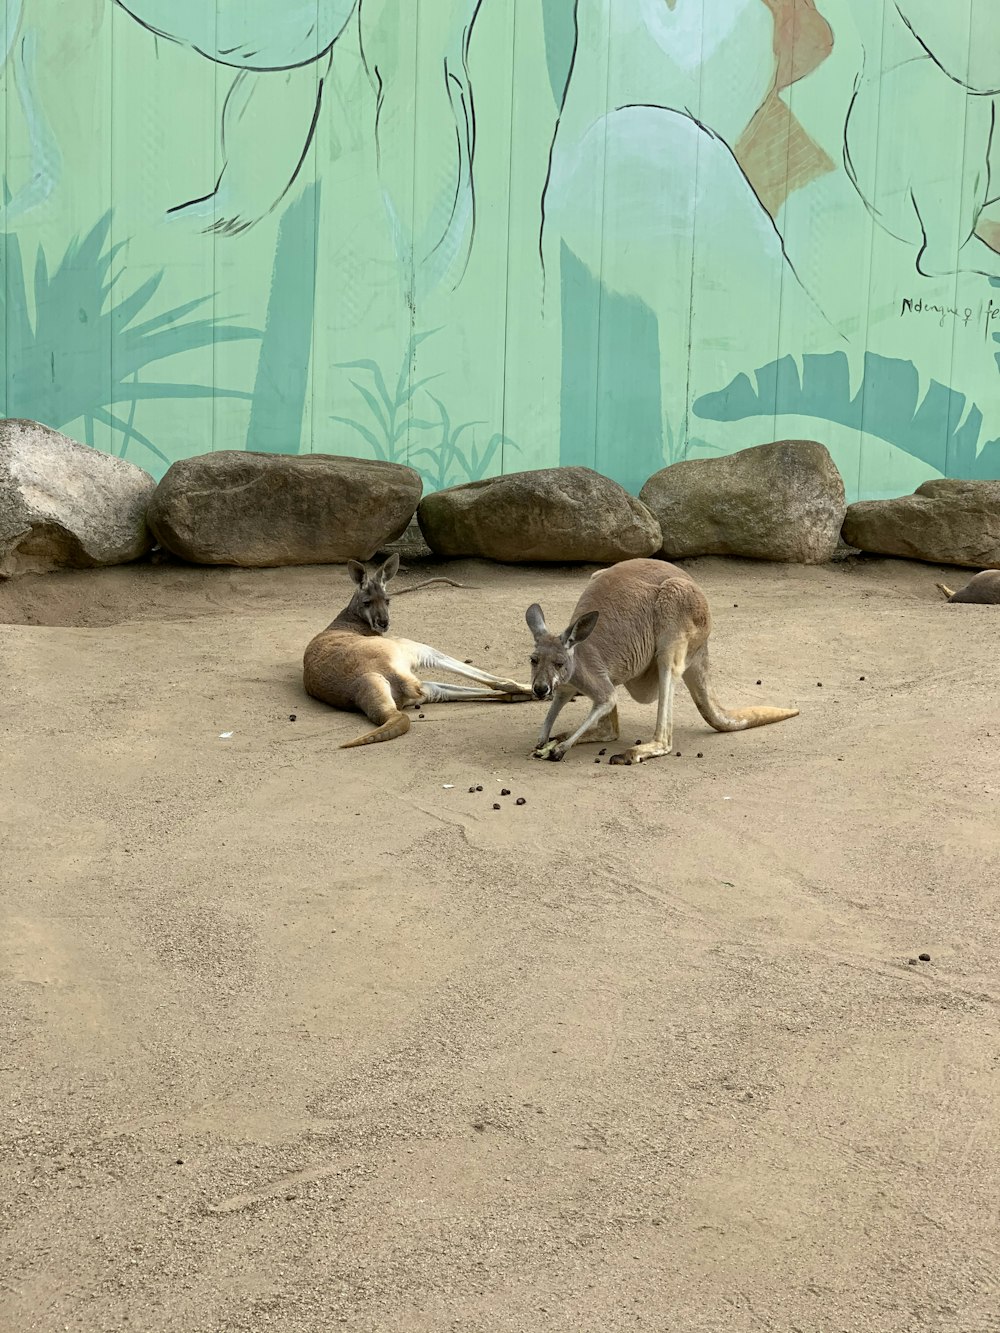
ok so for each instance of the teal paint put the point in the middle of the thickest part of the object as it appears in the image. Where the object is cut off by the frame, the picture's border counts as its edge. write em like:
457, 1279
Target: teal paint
612, 410
275, 57
279, 396
45, 161
580, 295
888, 404
442, 452
559, 26
452, 458
676, 240
389, 412
57, 356
629, 400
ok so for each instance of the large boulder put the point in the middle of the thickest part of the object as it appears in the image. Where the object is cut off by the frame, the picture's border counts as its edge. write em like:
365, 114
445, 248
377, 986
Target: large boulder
782, 501
946, 522
65, 505
557, 515
254, 510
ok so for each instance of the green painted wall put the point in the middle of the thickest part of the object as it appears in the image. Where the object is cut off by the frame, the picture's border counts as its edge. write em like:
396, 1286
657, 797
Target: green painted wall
485, 235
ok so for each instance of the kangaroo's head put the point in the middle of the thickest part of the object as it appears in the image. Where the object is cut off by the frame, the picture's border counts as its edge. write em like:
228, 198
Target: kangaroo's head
370, 603
553, 658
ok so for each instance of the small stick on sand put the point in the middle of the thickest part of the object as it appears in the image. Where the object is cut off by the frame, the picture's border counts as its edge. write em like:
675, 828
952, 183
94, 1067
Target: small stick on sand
398, 592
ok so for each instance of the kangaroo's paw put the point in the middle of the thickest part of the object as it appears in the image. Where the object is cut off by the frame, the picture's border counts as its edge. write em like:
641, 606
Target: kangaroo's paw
543, 750
514, 697
638, 754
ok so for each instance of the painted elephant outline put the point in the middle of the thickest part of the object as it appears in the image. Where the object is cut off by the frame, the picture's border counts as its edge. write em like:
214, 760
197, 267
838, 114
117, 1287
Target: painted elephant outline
281, 53
437, 237
276, 46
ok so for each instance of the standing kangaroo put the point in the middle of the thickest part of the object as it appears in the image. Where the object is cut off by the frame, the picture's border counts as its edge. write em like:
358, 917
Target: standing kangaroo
643, 624
351, 665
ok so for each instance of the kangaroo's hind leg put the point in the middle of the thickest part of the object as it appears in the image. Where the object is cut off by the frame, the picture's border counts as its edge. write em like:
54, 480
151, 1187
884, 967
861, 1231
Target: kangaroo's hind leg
669, 669
382, 699
422, 655
434, 692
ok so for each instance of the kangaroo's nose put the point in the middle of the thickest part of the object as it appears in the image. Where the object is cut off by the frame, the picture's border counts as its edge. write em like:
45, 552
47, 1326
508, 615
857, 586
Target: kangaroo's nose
540, 691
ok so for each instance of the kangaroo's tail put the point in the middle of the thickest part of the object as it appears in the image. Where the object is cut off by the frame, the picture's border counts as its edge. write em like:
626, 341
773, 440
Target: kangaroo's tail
726, 719
948, 592
396, 724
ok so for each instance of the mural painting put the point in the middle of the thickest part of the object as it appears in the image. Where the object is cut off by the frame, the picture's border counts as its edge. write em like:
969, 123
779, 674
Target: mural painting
483, 235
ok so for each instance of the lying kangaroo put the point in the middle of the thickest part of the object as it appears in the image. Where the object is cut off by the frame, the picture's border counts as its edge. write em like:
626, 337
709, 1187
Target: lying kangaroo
982, 588
351, 665
643, 624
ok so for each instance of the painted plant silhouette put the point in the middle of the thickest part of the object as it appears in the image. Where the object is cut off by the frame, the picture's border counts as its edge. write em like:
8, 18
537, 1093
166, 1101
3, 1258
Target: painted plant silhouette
934, 425
391, 425
81, 354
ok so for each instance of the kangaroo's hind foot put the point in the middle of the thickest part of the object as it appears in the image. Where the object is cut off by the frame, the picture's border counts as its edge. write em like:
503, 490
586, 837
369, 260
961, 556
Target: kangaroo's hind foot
638, 754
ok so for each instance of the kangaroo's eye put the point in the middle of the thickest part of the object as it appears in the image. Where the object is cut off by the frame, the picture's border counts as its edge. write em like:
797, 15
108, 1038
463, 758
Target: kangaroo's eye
561, 662
534, 661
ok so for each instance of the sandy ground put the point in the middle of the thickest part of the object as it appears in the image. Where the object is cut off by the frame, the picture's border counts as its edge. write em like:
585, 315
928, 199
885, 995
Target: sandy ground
296, 1038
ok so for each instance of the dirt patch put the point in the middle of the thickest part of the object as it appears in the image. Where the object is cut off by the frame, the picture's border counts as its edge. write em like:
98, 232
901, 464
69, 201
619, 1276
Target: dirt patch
296, 1039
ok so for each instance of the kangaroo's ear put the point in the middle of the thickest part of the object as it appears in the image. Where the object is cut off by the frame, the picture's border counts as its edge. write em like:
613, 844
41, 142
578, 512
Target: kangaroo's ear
390, 569
535, 620
581, 629
356, 571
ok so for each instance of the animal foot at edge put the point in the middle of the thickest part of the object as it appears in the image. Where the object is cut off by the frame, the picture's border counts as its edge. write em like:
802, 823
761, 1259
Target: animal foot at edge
639, 754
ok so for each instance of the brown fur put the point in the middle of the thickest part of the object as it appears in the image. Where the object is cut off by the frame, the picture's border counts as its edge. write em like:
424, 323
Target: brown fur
643, 624
352, 665
982, 589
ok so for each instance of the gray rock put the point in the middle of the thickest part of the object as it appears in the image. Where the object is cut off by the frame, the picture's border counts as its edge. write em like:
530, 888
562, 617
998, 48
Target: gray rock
255, 510
65, 505
411, 547
945, 522
554, 515
782, 501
